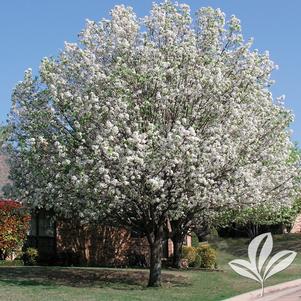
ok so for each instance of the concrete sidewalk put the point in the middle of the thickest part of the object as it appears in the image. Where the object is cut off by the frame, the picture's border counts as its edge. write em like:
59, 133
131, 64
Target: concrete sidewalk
288, 291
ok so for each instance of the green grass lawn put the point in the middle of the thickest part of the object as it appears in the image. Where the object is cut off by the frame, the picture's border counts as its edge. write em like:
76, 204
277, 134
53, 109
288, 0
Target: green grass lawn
74, 284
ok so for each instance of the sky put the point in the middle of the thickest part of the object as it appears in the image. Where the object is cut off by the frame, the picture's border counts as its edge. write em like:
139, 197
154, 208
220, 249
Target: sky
33, 29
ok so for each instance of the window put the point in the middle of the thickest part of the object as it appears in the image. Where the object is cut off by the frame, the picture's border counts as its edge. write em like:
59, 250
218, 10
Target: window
41, 224
46, 225
42, 235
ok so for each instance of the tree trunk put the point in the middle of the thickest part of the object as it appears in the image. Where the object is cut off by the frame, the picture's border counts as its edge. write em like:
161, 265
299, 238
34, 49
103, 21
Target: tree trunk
2, 257
252, 230
155, 259
177, 251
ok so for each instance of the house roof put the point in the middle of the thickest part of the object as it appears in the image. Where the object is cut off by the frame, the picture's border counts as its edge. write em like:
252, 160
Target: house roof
4, 172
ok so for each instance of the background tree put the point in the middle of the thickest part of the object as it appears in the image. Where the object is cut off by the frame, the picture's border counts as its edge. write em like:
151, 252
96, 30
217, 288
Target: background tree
245, 217
4, 134
146, 120
14, 224
9, 191
249, 220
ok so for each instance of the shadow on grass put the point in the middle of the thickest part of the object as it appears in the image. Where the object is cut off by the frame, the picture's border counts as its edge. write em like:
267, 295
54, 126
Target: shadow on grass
17, 282
78, 277
239, 247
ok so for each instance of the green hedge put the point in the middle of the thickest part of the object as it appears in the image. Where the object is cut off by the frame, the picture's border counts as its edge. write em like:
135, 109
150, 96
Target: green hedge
203, 256
11, 263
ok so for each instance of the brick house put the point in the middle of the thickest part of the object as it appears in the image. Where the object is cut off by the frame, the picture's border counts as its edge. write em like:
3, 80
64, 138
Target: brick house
68, 242
296, 228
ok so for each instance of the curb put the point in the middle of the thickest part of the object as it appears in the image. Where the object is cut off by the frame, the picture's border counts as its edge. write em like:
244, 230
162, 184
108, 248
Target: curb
276, 290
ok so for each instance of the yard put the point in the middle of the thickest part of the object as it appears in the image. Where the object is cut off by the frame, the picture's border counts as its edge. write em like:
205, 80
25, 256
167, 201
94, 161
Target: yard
79, 283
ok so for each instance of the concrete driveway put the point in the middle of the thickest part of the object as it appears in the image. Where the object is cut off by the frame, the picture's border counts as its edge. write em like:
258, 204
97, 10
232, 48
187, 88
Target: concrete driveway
288, 291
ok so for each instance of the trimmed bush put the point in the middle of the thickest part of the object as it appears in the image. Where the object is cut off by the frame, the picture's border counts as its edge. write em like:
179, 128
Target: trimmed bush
189, 253
204, 256
194, 240
207, 255
11, 263
30, 256
198, 261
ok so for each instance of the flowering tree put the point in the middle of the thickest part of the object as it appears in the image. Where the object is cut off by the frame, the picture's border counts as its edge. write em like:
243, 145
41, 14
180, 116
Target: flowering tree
250, 219
149, 119
4, 132
14, 224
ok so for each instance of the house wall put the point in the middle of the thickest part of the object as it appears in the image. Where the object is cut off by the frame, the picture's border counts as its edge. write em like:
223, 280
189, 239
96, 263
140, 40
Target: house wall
100, 245
296, 228
68, 242
105, 245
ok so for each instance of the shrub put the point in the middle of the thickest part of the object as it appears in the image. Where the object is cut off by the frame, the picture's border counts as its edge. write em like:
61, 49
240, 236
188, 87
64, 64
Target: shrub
207, 255
11, 263
189, 253
204, 256
213, 235
198, 261
194, 240
30, 256
14, 224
